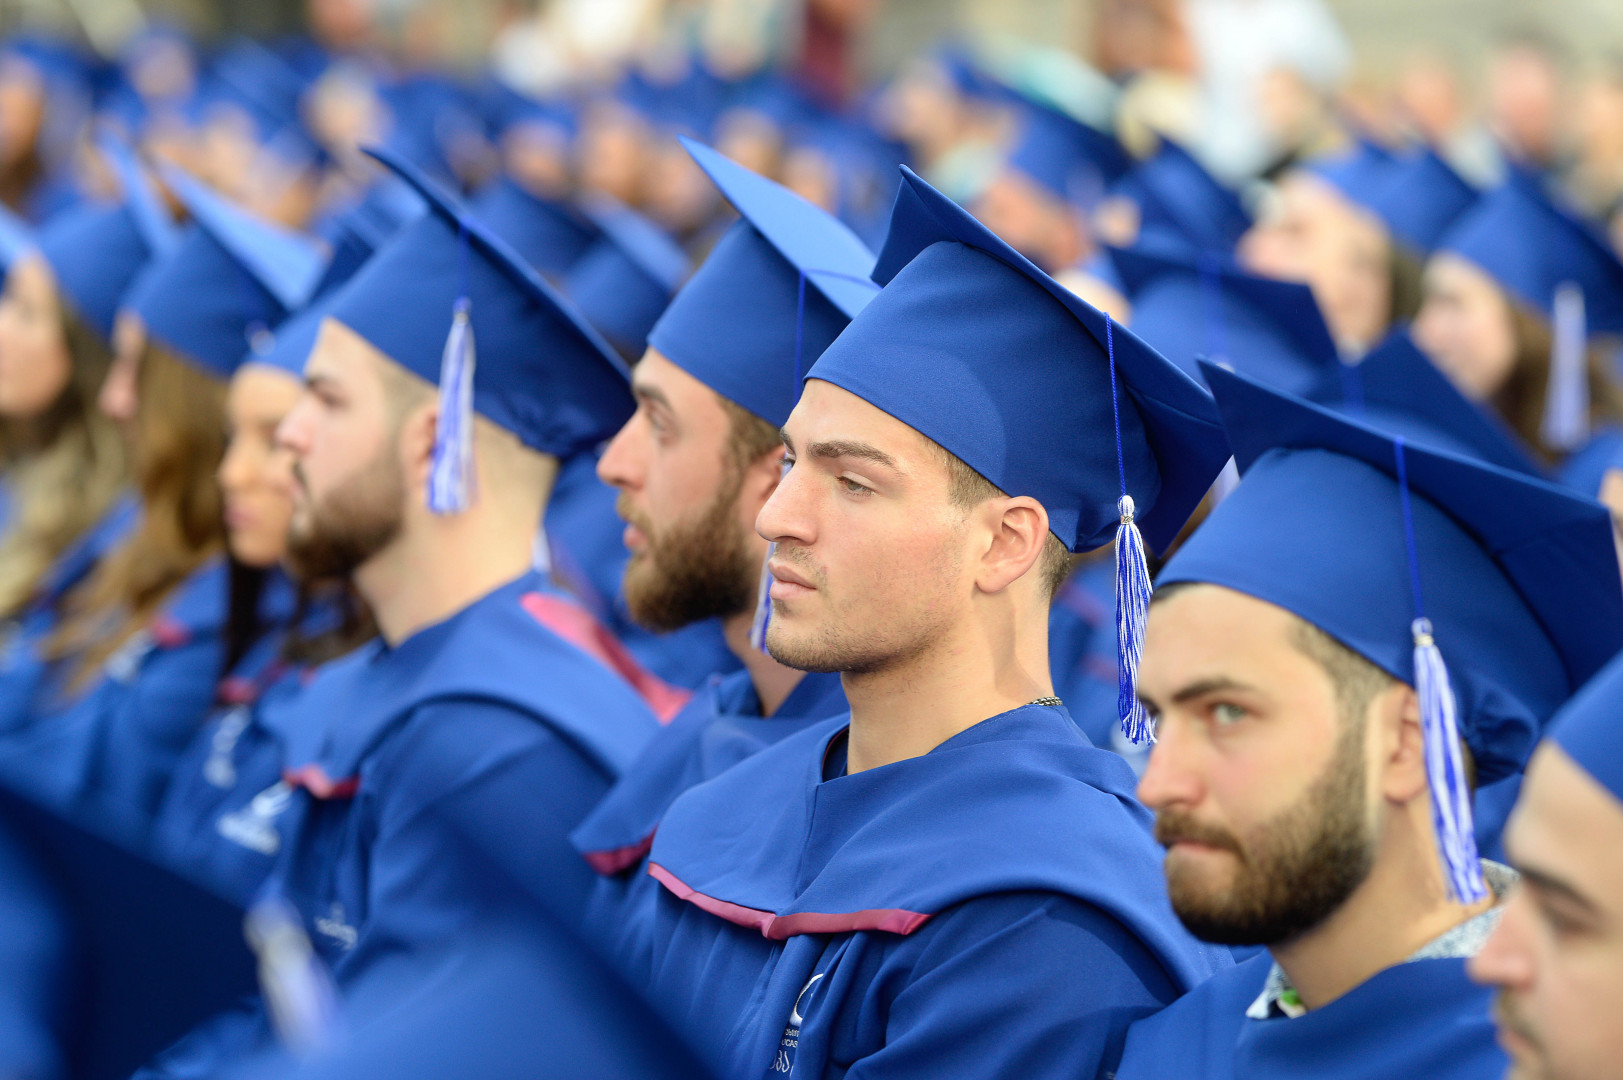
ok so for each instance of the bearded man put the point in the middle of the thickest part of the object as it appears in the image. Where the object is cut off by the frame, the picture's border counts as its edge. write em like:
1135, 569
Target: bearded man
1358, 633
432, 778
694, 466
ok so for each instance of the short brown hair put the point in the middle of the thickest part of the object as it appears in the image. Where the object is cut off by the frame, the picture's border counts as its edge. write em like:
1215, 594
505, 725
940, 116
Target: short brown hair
967, 489
749, 438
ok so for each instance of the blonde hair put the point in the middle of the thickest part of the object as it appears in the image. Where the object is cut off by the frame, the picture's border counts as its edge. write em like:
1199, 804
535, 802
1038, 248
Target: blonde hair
180, 441
65, 469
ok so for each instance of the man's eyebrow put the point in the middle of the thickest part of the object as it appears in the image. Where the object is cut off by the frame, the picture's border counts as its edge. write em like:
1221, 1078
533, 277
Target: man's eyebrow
317, 380
1547, 882
841, 448
1215, 684
653, 394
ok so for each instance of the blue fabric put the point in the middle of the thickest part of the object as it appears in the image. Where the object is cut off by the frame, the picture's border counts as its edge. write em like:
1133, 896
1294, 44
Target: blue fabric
1420, 199
738, 325
720, 727
1176, 195
95, 250
1073, 161
974, 347
1358, 172
585, 540
113, 745
1039, 925
35, 958
1204, 307
542, 372
1587, 729
551, 236
216, 823
1531, 247
1416, 1021
227, 284
1395, 387
624, 281
1082, 652
1586, 467
1519, 577
464, 756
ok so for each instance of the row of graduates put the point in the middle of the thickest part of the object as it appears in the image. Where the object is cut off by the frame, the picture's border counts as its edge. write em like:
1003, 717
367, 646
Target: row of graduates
913, 858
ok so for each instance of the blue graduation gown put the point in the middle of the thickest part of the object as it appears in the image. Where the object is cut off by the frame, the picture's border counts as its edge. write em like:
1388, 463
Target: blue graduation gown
589, 559
1082, 650
450, 767
217, 821
720, 727
994, 907
1585, 468
1423, 1020
23, 671
111, 747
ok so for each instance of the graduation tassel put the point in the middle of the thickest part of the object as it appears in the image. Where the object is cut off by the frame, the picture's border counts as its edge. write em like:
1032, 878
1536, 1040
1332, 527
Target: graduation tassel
1132, 585
450, 476
298, 990
1565, 424
763, 604
1451, 815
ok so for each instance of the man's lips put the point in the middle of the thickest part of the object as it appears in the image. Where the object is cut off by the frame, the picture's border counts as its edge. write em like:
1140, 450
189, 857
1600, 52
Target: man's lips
786, 583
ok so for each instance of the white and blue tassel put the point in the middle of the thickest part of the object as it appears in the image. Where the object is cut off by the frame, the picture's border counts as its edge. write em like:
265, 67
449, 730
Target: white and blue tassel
762, 621
1451, 815
450, 477
1132, 584
298, 990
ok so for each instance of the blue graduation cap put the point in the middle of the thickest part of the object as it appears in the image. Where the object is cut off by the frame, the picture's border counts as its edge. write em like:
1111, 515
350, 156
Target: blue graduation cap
625, 280
1178, 199
269, 91
552, 236
1408, 555
1074, 161
230, 281
95, 250
543, 373
1203, 306
1358, 172
780, 285
1397, 389
358, 230
1587, 729
974, 347
1420, 198
1551, 261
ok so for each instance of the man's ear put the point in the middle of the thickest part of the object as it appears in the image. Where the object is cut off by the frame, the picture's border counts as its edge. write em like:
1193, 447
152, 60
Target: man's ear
760, 480
1017, 530
418, 430
1403, 743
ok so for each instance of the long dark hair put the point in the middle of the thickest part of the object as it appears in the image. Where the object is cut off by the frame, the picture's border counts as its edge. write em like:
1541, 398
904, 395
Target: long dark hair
1521, 400
351, 624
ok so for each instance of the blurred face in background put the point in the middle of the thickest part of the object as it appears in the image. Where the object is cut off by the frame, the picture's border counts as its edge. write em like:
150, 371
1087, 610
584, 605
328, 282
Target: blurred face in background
612, 140
1310, 233
1466, 326
35, 365
1525, 101
22, 109
1035, 223
255, 475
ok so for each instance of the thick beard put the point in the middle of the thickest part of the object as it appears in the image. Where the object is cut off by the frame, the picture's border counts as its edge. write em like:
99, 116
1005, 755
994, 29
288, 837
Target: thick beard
1293, 872
352, 524
692, 571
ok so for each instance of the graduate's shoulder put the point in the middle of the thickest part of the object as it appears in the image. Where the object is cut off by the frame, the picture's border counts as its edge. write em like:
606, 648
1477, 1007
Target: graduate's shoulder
1194, 1036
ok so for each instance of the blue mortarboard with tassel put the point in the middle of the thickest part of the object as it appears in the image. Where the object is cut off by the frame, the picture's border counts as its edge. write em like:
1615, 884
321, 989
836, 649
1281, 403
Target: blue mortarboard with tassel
552, 236
542, 372
228, 283
96, 250
1420, 198
776, 289
1587, 729
1072, 160
1397, 389
1178, 200
1202, 306
973, 346
1494, 594
625, 280
1559, 267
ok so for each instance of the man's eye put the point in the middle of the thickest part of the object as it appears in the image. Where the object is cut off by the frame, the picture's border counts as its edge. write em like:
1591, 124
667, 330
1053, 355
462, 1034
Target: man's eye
853, 487
1225, 713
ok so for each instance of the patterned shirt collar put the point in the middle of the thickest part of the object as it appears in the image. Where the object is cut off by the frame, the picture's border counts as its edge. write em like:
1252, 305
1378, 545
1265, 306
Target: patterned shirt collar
1279, 997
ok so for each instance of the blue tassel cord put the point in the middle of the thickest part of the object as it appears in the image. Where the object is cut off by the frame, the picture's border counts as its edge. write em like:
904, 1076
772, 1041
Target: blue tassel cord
1439, 721
450, 478
1133, 588
1565, 423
